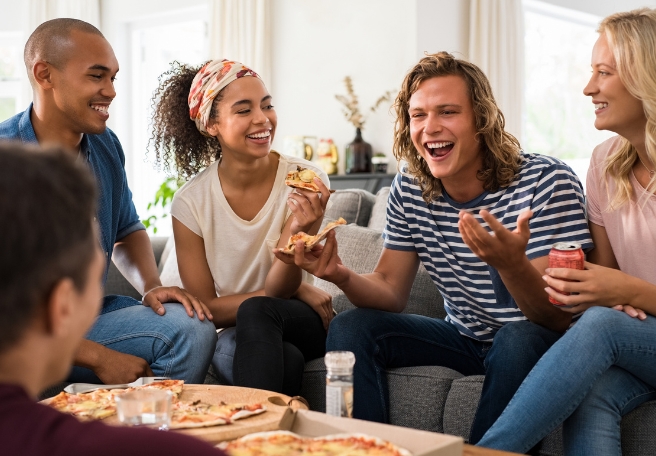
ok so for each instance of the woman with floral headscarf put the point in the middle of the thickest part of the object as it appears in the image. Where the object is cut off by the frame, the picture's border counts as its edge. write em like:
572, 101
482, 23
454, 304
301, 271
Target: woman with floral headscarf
214, 125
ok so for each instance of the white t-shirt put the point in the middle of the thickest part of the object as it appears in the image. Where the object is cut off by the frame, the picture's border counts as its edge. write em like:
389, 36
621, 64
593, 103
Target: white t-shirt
238, 252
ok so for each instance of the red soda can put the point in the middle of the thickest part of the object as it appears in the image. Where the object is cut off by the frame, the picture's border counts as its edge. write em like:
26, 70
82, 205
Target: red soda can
565, 255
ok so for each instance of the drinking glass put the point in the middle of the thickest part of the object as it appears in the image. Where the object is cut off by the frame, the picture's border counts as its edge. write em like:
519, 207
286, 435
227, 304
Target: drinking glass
151, 408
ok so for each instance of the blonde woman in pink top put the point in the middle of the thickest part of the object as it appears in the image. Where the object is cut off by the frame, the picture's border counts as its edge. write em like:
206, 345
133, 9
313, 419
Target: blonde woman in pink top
605, 366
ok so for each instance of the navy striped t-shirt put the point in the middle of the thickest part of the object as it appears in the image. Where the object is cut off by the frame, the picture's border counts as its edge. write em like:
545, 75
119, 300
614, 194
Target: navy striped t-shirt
475, 298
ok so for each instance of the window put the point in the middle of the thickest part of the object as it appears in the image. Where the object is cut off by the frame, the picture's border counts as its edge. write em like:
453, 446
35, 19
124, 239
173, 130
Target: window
11, 72
155, 43
559, 119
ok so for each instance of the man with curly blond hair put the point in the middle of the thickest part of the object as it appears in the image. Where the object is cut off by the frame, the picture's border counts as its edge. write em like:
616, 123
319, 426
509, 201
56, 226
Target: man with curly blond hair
462, 206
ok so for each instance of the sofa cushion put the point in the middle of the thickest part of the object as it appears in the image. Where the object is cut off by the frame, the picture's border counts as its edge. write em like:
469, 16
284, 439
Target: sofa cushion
379, 211
353, 205
419, 393
359, 249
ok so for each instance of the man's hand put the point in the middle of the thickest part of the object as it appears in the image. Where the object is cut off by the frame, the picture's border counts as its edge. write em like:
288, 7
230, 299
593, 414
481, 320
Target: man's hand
116, 367
156, 296
594, 286
307, 207
502, 249
321, 261
320, 301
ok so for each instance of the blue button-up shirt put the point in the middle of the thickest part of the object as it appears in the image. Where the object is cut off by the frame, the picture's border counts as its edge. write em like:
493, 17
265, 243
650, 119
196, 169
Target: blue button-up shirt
117, 216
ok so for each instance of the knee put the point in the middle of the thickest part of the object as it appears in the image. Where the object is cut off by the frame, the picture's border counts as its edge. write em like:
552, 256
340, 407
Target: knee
185, 329
255, 308
348, 329
521, 342
600, 318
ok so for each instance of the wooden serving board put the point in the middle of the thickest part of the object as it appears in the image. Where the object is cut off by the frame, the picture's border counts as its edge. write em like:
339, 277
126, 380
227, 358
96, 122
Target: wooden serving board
275, 403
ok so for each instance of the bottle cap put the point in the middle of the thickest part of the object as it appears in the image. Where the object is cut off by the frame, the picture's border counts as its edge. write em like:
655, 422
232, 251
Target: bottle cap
339, 360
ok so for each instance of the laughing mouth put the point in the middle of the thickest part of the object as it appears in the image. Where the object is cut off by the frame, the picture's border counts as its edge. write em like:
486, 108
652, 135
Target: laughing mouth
262, 135
600, 105
439, 148
100, 108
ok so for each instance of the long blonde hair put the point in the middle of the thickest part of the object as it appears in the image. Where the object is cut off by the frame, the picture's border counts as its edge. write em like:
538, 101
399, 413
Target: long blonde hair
631, 36
500, 149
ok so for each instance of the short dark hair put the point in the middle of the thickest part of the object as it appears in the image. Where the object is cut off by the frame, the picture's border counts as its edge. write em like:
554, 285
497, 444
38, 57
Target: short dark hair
47, 204
49, 42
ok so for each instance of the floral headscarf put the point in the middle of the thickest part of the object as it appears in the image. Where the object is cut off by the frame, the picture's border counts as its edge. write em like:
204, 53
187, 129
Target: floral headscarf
207, 83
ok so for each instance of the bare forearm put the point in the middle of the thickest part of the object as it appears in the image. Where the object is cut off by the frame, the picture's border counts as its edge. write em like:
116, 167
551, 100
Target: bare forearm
370, 291
526, 286
283, 280
642, 294
225, 308
89, 354
133, 256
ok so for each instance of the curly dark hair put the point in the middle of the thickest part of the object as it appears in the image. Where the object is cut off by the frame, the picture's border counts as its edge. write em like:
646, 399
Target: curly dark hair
175, 140
501, 158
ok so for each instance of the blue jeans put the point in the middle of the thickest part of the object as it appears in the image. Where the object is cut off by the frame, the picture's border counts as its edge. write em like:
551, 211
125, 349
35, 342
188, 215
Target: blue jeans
174, 344
382, 340
600, 370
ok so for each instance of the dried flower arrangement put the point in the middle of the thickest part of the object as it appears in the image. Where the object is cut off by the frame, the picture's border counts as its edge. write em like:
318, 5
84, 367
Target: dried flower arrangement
352, 105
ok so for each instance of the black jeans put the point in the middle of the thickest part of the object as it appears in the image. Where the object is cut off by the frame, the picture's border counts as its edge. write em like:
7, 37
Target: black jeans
274, 339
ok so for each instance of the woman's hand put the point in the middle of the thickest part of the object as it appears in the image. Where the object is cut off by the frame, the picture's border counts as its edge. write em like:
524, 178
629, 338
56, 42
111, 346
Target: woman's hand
631, 311
594, 286
320, 301
307, 207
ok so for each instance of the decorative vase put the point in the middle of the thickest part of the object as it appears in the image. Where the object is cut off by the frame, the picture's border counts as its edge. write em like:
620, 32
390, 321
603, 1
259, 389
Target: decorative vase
358, 155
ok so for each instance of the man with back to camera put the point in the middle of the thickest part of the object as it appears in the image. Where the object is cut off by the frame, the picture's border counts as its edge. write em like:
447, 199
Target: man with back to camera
51, 271
72, 68
462, 207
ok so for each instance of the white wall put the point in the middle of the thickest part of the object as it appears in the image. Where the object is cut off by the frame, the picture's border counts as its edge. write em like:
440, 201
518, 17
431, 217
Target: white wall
13, 16
316, 44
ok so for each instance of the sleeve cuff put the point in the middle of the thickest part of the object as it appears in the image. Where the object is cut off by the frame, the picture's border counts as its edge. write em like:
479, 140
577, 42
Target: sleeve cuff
129, 230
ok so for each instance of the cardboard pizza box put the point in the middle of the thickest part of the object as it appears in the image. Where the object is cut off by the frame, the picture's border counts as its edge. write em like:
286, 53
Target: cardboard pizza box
420, 443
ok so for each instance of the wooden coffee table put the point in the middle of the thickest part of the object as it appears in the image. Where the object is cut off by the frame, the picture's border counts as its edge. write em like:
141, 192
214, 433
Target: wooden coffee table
277, 409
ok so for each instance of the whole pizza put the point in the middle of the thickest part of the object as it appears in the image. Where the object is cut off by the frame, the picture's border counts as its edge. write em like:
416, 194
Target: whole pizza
288, 443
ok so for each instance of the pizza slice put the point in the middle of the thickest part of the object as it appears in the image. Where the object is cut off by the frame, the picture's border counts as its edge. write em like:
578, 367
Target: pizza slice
174, 386
96, 405
309, 240
303, 178
197, 414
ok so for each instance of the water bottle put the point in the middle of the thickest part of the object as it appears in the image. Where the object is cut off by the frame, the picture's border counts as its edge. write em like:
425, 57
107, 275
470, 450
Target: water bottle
339, 383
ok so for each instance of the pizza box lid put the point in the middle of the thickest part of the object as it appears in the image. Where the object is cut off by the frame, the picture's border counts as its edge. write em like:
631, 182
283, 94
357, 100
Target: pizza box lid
420, 443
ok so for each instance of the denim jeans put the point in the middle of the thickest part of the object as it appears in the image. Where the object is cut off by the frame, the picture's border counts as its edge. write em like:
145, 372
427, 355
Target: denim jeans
382, 340
273, 340
600, 370
174, 344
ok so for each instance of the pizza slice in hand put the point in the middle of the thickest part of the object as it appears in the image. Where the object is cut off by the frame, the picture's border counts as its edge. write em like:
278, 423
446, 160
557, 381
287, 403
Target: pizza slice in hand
303, 178
309, 240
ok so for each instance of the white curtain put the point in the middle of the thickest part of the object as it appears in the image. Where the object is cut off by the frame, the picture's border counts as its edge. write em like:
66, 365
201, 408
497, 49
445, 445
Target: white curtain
240, 30
44, 10
496, 45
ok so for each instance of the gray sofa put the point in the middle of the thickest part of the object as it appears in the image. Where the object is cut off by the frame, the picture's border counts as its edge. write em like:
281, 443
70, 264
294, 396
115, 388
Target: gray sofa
430, 397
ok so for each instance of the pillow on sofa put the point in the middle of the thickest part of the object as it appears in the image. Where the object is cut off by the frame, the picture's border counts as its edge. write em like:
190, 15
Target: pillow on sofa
359, 249
379, 211
170, 276
354, 205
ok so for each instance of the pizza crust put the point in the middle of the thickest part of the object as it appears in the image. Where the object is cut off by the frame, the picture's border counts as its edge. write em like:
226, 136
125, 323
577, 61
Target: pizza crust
309, 240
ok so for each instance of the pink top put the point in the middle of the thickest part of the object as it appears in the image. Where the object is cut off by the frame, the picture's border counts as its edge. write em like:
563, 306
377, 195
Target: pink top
631, 228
